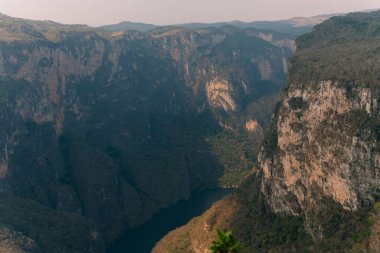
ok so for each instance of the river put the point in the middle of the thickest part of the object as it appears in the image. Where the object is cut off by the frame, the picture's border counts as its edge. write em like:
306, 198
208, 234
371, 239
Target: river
143, 239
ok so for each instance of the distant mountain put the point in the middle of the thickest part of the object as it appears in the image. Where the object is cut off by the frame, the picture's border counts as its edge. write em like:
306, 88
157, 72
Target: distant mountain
126, 25
295, 26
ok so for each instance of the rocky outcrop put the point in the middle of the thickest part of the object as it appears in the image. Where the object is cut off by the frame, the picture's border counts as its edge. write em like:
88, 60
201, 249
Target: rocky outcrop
322, 148
219, 95
229, 70
252, 126
324, 138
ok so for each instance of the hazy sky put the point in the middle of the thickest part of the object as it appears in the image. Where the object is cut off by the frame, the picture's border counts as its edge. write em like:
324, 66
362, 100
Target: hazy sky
99, 12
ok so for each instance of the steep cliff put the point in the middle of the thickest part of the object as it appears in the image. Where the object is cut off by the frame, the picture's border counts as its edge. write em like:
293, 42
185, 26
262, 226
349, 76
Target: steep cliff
325, 136
237, 75
100, 130
319, 174
229, 70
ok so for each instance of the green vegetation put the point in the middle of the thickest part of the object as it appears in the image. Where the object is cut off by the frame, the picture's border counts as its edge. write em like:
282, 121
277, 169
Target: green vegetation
50, 230
296, 103
359, 122
362, 238
259, 229
343, 48
334, 228
339, 229
226, 243
262, 109
237, 153
271, 136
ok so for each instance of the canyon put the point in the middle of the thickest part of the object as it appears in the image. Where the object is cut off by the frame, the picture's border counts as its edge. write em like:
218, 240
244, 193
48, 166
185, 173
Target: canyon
101, 129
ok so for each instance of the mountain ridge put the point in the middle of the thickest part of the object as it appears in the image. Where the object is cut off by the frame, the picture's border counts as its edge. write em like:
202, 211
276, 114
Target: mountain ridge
295, 25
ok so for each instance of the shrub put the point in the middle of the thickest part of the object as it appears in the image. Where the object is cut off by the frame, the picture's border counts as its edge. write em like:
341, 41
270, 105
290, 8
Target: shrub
296, 103
226, 243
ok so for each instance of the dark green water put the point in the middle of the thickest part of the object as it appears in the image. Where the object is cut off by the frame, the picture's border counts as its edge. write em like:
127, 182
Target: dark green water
143, 239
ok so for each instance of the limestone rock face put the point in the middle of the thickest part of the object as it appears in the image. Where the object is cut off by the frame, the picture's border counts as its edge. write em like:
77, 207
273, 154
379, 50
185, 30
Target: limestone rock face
230, 71
323, 145
252, 126
324, 139
219, 95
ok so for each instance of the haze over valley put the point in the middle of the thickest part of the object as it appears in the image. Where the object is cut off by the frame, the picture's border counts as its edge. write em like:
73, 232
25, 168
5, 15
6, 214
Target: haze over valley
137, 137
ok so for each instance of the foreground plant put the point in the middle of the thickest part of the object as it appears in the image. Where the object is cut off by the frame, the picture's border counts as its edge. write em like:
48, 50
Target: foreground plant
226, 243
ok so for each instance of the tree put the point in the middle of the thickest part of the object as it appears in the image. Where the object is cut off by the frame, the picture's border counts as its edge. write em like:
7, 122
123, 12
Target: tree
226, 243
